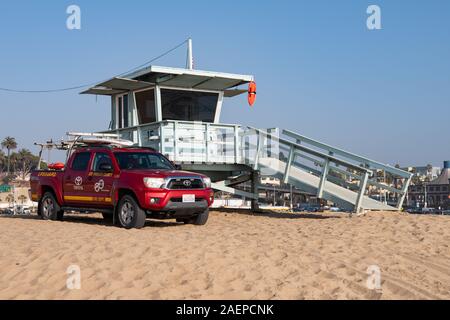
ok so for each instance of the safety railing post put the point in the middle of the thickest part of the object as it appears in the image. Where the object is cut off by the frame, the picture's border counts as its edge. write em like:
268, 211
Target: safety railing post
259, 144
161, 138
175, 141
207, 142
236, 144
138, 132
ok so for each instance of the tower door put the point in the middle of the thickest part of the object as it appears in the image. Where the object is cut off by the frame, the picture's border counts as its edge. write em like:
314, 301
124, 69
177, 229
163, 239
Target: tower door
123, 118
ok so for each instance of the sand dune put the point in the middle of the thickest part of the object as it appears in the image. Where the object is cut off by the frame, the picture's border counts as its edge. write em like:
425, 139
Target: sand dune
237, 255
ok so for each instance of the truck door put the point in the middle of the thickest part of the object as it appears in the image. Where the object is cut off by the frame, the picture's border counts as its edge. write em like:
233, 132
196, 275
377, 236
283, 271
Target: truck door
75, 189
100, 179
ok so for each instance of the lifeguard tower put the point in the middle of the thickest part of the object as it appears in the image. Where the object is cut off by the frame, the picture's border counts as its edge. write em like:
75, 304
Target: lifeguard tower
177, 112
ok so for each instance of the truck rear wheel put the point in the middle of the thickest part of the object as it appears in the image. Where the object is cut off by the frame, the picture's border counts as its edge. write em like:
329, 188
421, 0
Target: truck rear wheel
130, 213
199, 219
49, 208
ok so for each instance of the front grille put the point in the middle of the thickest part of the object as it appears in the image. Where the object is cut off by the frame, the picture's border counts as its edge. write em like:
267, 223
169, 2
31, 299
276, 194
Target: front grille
185, 183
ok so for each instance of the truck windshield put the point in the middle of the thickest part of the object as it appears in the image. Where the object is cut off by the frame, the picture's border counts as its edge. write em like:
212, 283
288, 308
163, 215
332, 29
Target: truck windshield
142, 161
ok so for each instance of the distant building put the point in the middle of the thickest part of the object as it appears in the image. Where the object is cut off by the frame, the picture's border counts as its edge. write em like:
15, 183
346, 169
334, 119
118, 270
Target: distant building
435, 193
270, 181
424, 173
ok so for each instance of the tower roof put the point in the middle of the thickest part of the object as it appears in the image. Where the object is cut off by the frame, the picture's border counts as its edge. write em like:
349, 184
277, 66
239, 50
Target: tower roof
172, 77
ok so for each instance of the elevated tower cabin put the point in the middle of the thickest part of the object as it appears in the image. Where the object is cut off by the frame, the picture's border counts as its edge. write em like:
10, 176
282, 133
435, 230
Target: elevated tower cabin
177, 112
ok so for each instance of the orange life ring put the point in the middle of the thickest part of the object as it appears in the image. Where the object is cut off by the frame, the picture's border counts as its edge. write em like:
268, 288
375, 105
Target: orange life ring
56, 166
251, 93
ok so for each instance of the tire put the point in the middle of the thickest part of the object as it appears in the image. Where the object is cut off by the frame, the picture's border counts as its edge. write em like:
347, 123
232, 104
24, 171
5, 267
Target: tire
200, 219
130, 215
49, 208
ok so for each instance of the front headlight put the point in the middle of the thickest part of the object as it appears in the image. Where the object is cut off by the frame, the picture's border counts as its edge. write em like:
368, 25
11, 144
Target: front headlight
207, 182
154, 183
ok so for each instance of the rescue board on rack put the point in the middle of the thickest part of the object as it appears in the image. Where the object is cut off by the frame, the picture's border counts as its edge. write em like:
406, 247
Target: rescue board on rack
103, 141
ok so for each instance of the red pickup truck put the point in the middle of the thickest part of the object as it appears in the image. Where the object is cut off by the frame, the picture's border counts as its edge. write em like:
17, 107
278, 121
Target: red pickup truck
125, 185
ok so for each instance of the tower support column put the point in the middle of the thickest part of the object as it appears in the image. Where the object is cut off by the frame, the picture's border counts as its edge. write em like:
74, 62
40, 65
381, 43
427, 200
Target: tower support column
255, 183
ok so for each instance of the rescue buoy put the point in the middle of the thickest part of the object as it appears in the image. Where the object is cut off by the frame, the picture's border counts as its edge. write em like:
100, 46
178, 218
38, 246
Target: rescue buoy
56, 166
251, 93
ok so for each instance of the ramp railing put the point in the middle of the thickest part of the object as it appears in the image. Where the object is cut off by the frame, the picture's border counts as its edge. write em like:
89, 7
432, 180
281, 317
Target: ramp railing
400, 178
314, 163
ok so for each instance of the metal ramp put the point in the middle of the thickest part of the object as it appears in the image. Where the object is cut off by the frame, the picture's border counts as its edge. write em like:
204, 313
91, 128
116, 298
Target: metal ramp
331, 173
234, 154
330, 191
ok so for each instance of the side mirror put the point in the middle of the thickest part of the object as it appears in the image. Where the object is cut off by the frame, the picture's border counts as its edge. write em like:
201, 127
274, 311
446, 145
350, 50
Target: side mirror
105, 167
177, 166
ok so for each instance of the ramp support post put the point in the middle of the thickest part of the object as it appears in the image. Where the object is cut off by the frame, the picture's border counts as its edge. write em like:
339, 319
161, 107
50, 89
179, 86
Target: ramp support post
288, 164
323, 178
401, 199
362, 189
254, 186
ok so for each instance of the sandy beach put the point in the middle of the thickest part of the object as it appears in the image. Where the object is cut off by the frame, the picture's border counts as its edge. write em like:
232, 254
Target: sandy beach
237, 255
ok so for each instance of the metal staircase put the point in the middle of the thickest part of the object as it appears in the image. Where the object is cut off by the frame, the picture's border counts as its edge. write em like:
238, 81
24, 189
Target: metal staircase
234, 154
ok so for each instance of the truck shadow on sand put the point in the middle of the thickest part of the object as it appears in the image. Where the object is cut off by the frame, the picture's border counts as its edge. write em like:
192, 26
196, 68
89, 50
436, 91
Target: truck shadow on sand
94, 220
281, 215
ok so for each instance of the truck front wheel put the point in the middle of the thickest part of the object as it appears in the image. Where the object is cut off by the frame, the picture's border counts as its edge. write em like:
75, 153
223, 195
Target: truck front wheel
130, 214
199, 219
49, 208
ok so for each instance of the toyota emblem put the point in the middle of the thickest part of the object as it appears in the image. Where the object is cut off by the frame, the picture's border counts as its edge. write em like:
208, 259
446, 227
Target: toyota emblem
187, 183
78, 181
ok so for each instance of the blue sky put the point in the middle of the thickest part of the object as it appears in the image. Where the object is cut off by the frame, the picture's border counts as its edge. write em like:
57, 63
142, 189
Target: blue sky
384, 94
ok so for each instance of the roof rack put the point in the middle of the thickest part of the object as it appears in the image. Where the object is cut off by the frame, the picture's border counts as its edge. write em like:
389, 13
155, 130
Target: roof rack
49, 145
98, 138
90, 139
84, 139
93, 135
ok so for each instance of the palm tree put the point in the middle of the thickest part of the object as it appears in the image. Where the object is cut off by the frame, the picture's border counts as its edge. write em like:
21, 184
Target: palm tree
10, 144
2, 161
25, 162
